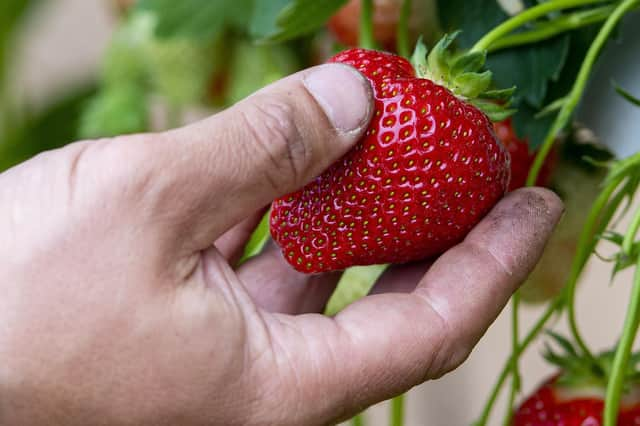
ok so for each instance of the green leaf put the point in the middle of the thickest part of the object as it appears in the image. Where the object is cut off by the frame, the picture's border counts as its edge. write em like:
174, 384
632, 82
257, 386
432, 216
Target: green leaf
419, 57
254, 66
554, 106
258, 240
301, 17
628, 96
470, 62
12, 13
180, 69
125, 60
530, 68
500, 94
476, 18
527, 125
116, 110
355, 284
200, 19
51, 127
265, 14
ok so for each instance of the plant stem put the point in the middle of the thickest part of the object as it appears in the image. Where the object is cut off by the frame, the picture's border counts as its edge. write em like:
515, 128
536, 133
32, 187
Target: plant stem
559, 124
623, 353
515, 348
562, 119
586, 244
403, 47
555, 306
367, 40
397, 411
527, 16
601, 213
547, 30
630, 236
571, 101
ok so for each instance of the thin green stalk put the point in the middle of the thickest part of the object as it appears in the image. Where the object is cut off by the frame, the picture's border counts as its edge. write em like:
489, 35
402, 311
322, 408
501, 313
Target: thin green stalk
561, 121
575, 95
547, 30
397, 411
527, 16
586, 244
630, 237
601, 214
555, 306
515, 348
485, 42
404, 48
623, 353
367, 39
358, 420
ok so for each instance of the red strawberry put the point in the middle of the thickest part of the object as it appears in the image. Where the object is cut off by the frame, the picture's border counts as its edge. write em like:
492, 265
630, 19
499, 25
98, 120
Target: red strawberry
522, 158
575, 396
557, 405
428, 169
345, 24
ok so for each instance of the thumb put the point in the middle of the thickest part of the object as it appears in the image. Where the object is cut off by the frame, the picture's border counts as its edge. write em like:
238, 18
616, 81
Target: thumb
268, 145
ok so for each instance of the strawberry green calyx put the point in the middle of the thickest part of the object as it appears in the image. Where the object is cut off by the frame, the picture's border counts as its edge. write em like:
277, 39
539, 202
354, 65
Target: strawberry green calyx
463, 75
580, 372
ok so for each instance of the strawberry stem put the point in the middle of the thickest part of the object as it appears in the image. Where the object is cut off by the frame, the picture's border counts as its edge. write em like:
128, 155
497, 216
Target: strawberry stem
623, 353
629, 238
515, 371
586, 245
546, 30
555, 306
367, 39
571, 101
397, 411
600, 215
525, 17
403, 47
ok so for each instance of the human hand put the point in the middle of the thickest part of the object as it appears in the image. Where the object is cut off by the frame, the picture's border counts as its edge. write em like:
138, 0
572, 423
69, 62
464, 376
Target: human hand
117, 308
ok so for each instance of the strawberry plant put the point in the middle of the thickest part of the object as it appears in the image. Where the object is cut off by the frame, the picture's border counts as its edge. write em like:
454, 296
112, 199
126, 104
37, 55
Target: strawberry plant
487, 110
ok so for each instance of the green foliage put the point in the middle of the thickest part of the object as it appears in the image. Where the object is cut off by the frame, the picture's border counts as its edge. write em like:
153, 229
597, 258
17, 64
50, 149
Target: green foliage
252, 67
476, 18
354, 285
301, 17
199, 19
628, 96
138, 65
180, 69
258, 240
52, 127
115, 110
542, 71
265, 16
464, 75
11, 14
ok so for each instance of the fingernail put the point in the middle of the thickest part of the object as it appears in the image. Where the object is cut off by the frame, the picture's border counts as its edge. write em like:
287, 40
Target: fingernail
344, 95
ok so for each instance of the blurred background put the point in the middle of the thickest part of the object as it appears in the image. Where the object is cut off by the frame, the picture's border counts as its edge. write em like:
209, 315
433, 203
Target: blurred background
51, 74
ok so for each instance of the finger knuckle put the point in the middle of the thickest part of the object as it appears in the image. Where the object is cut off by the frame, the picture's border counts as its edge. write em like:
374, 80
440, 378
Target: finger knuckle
277, 141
